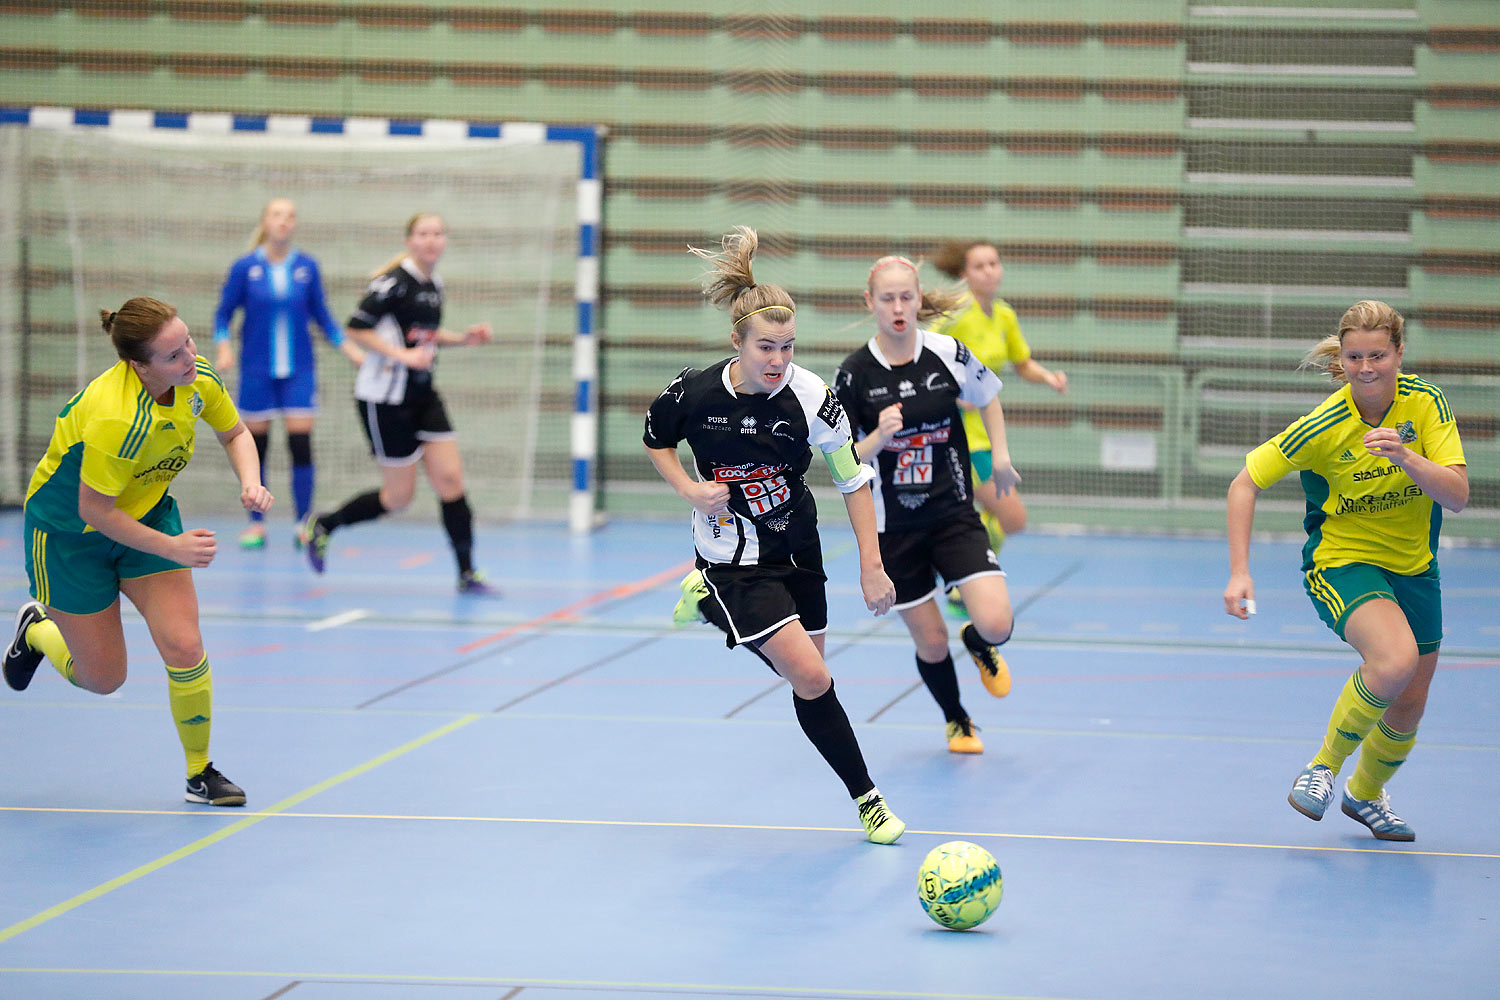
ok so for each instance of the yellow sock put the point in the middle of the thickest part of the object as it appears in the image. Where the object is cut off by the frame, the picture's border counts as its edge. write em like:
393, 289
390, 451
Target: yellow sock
45, 638
1354, 714
191, 694
993, 529
1384, 751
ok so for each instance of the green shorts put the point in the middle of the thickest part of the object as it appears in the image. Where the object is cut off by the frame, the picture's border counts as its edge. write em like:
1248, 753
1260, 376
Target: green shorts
1337, 591
80, 572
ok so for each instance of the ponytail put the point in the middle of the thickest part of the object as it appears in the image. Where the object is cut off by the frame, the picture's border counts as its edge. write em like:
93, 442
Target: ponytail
134, 325
730, 280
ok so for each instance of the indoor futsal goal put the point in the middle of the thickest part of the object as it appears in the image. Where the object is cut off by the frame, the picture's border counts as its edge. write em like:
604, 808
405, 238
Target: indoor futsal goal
96, 207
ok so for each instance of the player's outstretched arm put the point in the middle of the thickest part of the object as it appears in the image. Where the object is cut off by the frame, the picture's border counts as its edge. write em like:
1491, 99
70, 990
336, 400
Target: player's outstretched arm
878, 590
1005, 476
1239, 595
240, 447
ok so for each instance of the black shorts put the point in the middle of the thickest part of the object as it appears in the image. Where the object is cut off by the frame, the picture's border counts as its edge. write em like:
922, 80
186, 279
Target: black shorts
396, 431
752, 603
956, 547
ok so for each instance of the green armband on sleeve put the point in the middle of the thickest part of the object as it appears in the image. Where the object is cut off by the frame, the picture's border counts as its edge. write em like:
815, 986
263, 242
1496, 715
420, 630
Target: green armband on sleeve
842, 463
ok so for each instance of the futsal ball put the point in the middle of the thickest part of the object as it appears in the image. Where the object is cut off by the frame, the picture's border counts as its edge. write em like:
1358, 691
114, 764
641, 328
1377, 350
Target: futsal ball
959, 885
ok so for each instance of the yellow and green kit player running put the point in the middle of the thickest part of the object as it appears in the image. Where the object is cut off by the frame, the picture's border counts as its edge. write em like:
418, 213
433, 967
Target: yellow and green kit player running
99, 523
1379, 460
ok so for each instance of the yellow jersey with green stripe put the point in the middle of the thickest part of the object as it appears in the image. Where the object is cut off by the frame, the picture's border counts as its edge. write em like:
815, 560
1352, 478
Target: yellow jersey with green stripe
114, 438
1360, 507
994, 340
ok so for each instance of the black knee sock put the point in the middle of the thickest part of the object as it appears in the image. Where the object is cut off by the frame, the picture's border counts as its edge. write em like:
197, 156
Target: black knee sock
458, 520
827, 726
262, 443
942, 682
364, 507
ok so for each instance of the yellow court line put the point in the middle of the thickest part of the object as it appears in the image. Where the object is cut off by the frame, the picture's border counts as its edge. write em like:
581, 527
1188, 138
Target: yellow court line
281, 813
588, 984
228, 831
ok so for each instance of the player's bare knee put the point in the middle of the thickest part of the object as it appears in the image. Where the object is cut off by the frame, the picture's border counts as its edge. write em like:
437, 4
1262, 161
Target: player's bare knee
395, 503
181, 651
99, 677
994, 626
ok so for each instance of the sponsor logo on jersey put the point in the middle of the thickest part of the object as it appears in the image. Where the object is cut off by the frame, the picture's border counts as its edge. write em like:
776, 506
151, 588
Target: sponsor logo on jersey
256, 272
961, 352
919, 439
831, 413
716, 424
167, 425
763, 487
911, 501
906, 388
1361, 476
782, 428
1407, 432
195, 404
1347, 456
875, 391
747, 426
1375, 503
301, 275
739, 473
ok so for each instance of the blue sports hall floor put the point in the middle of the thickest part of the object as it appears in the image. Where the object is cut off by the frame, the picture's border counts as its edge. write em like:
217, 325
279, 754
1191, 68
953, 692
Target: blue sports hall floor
556, 795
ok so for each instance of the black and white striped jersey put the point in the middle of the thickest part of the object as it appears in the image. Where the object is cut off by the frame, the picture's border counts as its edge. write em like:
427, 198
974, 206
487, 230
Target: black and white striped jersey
406, 310
759, 446
924, 469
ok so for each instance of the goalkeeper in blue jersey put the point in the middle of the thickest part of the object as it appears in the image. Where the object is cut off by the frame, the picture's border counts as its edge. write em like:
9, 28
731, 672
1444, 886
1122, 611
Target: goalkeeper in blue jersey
279, 290
1379, 459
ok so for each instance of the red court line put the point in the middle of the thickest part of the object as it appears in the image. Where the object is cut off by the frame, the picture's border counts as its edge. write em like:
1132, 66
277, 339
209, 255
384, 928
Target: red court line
570, 612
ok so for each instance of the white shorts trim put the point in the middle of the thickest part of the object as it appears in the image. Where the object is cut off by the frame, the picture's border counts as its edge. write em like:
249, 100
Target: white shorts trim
950, 584
768, 630
258, 415
930, 595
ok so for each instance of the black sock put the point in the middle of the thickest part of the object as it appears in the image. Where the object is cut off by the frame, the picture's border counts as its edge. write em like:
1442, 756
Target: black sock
458, 521
942, 682
824, 721
364, 507
977, 643
262, 444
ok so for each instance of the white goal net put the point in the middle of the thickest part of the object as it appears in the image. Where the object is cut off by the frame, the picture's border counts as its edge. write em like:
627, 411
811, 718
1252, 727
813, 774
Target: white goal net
92, 216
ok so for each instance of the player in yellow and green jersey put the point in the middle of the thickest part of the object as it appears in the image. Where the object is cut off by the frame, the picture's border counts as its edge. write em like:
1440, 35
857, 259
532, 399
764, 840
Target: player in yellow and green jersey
1379, 460
99, 523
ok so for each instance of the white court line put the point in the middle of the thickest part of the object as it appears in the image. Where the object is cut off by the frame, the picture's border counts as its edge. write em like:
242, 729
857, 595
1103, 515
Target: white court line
334, 621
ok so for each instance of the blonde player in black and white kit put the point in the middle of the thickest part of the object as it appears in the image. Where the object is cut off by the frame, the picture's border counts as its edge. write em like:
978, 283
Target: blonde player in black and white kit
901, 391
398, 324
751, 421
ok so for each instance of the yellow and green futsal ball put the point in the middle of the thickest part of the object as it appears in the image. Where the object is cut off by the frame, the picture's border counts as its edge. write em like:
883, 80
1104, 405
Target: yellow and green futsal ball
959, 884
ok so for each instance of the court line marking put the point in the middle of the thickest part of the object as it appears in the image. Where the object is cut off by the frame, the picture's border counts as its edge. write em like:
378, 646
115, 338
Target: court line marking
334, 621
578, 672
778, 828
103, 888
724, 989
570, 611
